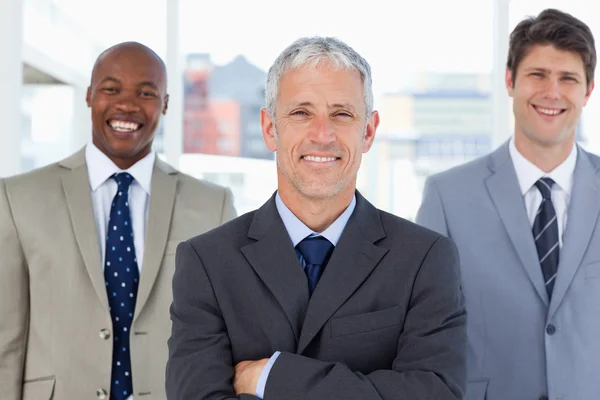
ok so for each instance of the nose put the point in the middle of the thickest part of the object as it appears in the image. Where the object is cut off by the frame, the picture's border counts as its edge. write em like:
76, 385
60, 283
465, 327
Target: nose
321, 130
127, 104
552, 89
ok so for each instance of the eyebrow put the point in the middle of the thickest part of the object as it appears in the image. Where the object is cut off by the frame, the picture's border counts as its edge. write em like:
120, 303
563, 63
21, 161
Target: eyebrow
115, 80
148, 83
545, 70
346, 106
109, 79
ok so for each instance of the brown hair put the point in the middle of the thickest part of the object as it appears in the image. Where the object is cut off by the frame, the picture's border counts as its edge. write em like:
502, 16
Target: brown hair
556, 28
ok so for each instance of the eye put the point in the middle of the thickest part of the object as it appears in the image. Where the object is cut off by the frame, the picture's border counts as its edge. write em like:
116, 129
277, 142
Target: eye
148, 94
299, 113
109, 90
570, 79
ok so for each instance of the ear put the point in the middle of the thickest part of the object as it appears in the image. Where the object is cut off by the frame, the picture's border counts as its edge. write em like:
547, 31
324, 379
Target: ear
166, 104
268, 130
88, 96
589, 92
370, 131
508, 80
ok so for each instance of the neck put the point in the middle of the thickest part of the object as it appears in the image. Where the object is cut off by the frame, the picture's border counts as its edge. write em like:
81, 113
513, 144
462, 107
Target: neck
317, 214
124, 162
545, 156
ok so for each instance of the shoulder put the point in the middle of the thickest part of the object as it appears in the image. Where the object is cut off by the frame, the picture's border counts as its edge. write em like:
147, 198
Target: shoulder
231, 234
190, 184
39, 180
397, 227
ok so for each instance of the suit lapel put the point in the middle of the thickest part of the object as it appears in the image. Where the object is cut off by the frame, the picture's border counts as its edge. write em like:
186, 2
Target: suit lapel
274, 260
505, 193
582, 216
352, 261
76, 185
162, 198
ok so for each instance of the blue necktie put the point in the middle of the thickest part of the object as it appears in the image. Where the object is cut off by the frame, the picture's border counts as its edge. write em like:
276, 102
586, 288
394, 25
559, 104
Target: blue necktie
545, 234
316, 251
122, 277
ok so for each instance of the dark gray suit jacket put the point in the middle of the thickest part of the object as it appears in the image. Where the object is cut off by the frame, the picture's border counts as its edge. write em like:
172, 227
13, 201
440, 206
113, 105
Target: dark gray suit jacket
386, 321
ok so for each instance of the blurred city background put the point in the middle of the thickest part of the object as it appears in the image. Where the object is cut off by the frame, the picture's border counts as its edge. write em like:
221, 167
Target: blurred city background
438, 70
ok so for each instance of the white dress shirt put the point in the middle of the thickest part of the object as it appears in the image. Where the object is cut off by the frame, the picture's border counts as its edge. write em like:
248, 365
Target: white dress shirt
104, 188
528, 174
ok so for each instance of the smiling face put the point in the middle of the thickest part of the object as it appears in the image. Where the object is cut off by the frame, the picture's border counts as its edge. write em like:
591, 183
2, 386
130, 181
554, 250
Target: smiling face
320, 132
127, 97
549, 92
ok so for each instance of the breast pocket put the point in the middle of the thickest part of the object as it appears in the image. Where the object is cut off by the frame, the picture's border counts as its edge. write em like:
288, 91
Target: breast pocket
38, 390
476, 390
591, 270
369, 322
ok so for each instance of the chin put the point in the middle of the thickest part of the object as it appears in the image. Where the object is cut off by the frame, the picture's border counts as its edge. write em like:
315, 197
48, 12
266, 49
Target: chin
320, 193
553, 139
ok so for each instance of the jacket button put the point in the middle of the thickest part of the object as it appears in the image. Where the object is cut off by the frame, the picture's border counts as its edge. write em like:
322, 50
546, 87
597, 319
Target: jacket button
104, 334
101, 394
550, 329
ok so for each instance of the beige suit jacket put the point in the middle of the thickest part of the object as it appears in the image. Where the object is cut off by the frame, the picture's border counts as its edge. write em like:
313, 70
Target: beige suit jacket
55, 325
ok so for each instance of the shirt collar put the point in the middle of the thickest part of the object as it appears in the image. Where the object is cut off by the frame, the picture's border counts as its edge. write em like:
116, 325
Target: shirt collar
298, 230
528, 174
101, 168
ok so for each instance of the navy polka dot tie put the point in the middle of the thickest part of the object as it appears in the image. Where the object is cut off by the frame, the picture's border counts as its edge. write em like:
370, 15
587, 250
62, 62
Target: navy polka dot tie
122, 277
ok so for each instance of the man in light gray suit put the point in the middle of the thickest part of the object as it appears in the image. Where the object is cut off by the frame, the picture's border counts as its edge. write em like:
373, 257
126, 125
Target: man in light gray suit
531, 278
317, 295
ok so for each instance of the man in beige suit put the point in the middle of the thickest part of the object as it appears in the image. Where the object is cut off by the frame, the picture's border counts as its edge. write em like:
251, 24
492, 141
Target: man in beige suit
68, 330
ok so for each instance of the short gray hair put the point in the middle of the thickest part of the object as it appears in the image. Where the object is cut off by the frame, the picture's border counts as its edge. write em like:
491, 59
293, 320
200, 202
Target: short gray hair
312, 51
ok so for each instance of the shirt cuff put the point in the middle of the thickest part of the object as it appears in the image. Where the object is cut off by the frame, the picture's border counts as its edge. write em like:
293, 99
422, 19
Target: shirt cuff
262, 379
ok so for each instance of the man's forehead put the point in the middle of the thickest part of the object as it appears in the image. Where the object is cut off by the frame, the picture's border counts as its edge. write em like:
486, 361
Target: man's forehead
121, 71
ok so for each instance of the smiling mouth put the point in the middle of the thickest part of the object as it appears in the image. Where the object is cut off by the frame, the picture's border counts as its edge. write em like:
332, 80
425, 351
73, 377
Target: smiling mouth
320, 159
550, 112
124, 126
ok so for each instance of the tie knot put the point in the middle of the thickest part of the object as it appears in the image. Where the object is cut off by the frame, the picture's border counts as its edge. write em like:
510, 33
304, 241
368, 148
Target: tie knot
315, 250
544, 185
123, 179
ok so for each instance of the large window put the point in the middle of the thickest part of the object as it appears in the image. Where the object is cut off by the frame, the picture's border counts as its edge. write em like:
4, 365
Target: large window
431, 62
431, 78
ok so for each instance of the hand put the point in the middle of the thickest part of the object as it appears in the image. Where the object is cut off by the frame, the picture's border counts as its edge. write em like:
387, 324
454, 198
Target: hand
246, 376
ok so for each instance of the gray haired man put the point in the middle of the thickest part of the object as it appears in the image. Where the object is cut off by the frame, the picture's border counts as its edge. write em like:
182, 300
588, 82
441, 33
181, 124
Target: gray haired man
317, 295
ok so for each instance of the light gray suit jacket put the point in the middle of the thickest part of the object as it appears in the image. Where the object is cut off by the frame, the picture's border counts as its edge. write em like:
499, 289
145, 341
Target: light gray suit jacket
55, 324
520, 345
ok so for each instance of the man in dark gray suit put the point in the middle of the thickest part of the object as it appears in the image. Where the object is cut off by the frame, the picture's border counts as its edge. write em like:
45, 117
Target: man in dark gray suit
386, 320
530, 277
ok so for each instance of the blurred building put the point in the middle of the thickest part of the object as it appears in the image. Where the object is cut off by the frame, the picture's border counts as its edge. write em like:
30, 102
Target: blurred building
441, 121
222, 108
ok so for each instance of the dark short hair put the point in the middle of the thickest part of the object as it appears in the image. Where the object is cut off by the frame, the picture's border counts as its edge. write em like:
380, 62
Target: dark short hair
556, 28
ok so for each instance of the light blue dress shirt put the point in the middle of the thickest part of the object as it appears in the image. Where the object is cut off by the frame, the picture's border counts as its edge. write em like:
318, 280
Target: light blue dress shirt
298, 231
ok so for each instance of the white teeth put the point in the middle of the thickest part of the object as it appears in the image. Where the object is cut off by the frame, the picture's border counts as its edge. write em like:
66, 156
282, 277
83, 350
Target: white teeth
319, 159
548, 111
122, 126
